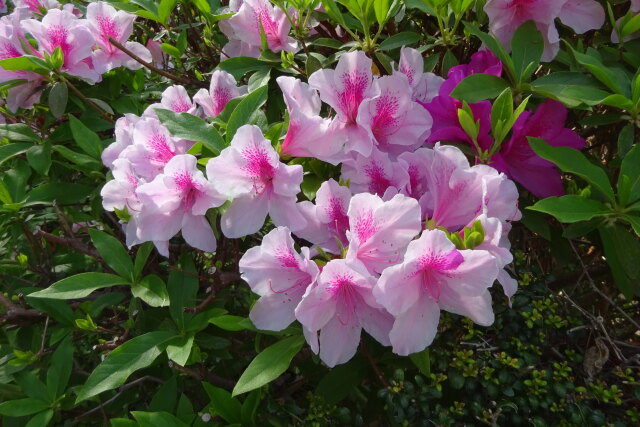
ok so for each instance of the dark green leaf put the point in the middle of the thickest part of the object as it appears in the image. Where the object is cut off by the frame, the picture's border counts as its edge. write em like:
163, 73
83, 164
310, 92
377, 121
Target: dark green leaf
241, 65
86, 139
188, 126
39, 158
142, 255
60, 371
398, 40
17, 132
157, 419
527, 46
242, 114
22, 407
223, 403
478, 87
10, 150
58, 96
152, 290
113, 252
268, 365
571, 208
61, 193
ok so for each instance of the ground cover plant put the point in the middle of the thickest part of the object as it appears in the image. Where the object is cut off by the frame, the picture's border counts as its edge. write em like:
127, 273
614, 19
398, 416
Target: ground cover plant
363, 212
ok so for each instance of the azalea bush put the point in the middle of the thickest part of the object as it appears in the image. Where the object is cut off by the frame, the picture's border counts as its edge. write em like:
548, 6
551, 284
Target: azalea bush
317, 212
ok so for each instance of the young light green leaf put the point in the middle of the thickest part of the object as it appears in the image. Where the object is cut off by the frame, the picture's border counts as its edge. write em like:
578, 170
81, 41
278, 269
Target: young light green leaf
113, 252
268, 365
79, 286
134, 354
571, 208
573, 161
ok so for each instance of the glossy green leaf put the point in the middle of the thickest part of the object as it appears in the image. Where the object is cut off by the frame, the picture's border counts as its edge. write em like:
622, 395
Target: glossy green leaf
113, 252
188, 126
86, 139
22, 407
399, 40
527, 46
79, 286
157, 419
223, 403
479, 87
152, 290
242, 114
571, 208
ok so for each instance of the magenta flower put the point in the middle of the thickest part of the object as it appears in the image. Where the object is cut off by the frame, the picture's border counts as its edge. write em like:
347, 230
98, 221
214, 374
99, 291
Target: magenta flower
375, 173
174, 98
340, 305
60, 28
253, 14
517, 159
308, 134
222, 89
152, 148
327, 220
105, 22
250, 173
394, 122
434, 276
505, 16
177, 200
276, 272
344, 89
379, 231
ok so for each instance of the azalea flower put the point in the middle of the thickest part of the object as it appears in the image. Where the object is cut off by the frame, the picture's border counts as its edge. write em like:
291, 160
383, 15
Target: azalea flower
505, 16
424, 86
433, 276
393, 121
379, 231
105, 22
123, 138
327, 219
61, 28
339, 306
120, 192
344, 89
280, 275
174, 98
250, 173
222, 89
308, 134
375, 173
177, 200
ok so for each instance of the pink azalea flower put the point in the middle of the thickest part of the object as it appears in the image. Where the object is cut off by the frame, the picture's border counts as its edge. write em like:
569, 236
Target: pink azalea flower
222, 89
307, 134
153, 147
339, 306
235, 48
120, 192
158, 57
31, 7
424, 86
327, 220
518, 160
176, 200
280, 275
505, 16
124, 138
253, 14
250, 172
3, 6
433, 276
174, 98
375, 173
458, 194
105, 22
344, 89
28, 93
391, 118
416, 165
379, 231
60, 28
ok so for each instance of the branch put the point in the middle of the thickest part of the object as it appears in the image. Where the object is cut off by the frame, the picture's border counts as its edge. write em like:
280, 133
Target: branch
89, 102
153, 67
72, 243
204, 375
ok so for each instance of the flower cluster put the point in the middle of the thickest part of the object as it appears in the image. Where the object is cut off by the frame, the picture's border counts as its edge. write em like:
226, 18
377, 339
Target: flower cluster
83, 44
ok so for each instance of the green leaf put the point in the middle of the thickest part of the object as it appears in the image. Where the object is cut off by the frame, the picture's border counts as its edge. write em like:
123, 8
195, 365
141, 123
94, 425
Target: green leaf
113, 252
59, 192
157, 419
25, 63
39, 158
634, 221
79, 286
250, 408
58, 96
60, 370
398, 40
621, 249
341, 381
241, 65
268, 365
142, 255
334, 12
17, 132
10, 150
164, 10
223, 403
232, 323
478, 87
573, 161
183, 288
527, 46
179, 349
422, 360
571, 208
615, 81
41, 419
631, 168
188, 126
242, 114
131, 356
82, 160
152, 290
22, 407
86, 139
